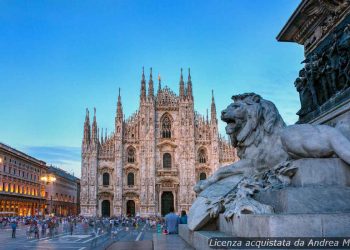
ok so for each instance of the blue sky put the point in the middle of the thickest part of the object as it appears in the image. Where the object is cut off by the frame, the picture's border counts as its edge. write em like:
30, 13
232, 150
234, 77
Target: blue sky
59, 57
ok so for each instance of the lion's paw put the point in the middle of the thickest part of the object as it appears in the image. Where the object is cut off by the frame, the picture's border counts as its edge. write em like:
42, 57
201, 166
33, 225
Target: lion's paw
215, 209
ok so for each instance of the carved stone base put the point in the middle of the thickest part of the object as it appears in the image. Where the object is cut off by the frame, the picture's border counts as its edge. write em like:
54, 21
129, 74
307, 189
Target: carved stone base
290, 225
335, 109
307, 199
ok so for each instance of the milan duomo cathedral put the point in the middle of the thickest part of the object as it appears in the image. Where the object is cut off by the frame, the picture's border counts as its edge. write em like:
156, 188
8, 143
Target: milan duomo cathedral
154, 158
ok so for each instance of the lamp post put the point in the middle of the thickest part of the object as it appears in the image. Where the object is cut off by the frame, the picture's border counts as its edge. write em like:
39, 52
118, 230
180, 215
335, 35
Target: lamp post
49, 179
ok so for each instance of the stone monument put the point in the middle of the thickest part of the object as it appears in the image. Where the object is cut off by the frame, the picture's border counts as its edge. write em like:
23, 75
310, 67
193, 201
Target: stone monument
291, 180
322, 27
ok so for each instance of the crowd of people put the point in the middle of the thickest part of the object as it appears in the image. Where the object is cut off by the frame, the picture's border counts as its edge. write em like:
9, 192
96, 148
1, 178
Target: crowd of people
38, 226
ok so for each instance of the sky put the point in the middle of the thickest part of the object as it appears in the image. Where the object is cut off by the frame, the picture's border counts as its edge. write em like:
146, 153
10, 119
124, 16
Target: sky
58, 58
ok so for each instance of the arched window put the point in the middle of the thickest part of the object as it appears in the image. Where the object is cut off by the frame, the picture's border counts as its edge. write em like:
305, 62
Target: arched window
202, 176
202, 156
166, 127
131, 179
105, 178
166, 160
131, 155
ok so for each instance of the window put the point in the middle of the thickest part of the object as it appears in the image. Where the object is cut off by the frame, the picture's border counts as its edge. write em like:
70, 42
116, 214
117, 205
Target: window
202, 156
166, 160
131, 179
131, 155
166, 127
105, 179
202, 176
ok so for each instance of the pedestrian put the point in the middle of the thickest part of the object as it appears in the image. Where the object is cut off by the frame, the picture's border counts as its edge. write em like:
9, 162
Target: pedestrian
172, 222
36, 231
56, 226
43, 229
71, 226
51, 226
95, 234
183, 217
14, 227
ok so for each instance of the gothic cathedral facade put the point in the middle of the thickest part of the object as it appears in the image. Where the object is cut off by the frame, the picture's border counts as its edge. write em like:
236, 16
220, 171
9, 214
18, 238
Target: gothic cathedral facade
154, 158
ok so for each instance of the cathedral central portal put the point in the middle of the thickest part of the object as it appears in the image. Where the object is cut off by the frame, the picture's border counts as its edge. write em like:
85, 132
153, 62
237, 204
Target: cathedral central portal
167, 202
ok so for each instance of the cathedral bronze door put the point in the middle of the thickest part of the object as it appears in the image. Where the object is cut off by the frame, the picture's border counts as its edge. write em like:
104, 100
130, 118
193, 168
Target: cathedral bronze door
130, 208
167, 202
106, 208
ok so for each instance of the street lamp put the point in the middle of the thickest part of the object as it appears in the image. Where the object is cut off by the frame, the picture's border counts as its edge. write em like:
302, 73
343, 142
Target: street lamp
48, 179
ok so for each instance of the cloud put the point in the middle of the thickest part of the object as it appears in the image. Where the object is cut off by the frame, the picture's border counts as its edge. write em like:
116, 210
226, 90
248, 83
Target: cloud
67, 158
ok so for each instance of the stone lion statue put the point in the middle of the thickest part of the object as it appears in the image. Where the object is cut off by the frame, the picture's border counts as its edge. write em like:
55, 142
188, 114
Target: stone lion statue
263, 140
266, 147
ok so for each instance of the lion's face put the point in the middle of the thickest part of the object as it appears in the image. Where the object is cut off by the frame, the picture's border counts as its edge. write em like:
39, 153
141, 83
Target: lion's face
235, 115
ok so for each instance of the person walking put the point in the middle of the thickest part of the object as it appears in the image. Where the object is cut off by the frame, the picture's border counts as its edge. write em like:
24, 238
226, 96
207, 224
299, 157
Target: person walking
172, 222
36, 231
95, 234
14, 228
71, 226
56, 227
51, 227
43, 229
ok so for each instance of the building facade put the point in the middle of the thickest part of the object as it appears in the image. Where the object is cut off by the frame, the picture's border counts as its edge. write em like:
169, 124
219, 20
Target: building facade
21, 191
153, 159
62, 194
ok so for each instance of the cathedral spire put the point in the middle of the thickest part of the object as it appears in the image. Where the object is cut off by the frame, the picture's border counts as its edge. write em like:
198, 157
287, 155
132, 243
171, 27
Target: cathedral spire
182, 86
150, 85
213, 108
159, 83
101, 135
143, 85
94, 135
189, 85
207, 117
86, 139
119, 115
106, 135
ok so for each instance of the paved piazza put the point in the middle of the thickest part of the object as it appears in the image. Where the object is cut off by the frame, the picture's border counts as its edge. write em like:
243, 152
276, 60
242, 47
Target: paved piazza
127, 237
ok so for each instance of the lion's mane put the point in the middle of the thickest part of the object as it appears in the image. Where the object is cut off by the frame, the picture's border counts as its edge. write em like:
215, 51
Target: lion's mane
263, 119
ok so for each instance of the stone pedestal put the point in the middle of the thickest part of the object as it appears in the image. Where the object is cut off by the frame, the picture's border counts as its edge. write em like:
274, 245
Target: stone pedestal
315, 204
321, 172
289, 225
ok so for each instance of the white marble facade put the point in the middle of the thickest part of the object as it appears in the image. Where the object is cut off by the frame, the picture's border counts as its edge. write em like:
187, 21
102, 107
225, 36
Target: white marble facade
154, 158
